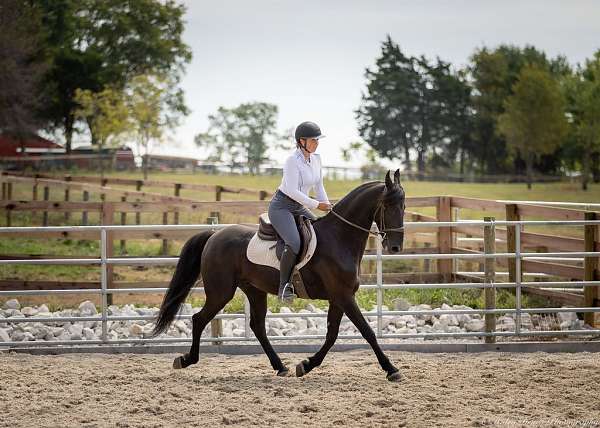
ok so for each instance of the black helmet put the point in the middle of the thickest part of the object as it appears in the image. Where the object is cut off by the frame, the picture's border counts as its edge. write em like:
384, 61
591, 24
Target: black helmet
308, 130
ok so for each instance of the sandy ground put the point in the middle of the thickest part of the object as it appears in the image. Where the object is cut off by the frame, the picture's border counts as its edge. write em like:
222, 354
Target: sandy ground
349, 389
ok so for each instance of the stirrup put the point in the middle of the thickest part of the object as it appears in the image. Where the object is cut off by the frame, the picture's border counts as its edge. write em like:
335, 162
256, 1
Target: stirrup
287, 294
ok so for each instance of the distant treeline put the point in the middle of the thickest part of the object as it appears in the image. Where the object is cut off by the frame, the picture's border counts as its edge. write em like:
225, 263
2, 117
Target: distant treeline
512, 110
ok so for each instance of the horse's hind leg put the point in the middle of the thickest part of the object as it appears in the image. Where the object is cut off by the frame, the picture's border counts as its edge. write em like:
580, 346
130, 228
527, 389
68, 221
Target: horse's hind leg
334, 317
217, 296
258, 311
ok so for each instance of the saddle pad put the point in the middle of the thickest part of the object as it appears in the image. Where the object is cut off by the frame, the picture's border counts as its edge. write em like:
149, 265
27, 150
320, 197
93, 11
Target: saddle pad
260, 252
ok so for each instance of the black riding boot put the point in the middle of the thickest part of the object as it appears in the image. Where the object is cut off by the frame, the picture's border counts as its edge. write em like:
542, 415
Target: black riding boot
287, 263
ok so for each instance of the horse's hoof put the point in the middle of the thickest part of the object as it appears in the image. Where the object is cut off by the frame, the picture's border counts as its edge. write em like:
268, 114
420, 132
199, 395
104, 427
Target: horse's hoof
301, 368
283, 372
395, 377
178, 363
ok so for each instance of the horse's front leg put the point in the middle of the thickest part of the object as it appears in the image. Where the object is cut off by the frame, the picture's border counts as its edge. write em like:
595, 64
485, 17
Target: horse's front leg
353, 312
334, 316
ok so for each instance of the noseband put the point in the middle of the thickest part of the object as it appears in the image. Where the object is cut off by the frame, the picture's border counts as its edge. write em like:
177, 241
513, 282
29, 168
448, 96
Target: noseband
382, 233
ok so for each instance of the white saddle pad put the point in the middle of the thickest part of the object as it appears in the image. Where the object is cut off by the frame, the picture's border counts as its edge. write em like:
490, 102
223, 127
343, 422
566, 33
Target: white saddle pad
260, 252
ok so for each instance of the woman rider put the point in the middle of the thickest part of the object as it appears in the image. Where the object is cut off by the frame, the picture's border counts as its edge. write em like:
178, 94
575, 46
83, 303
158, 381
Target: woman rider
301, 172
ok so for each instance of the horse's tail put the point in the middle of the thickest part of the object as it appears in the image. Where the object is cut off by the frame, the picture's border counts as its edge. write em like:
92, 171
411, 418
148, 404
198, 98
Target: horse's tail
184, 278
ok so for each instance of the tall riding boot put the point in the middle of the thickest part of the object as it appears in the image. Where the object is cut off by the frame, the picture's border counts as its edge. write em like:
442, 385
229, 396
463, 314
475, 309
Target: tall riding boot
287, 263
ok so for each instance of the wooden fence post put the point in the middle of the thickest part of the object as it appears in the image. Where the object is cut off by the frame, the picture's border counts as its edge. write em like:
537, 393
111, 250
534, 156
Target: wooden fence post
84, 214
165, 242
177, 195
46, 199
444, 213
107, 218
218, 191
591, 242
512, 214
67, 195
216, 325
262, 195
489, 246
122, 245
34, 197
9, 196
138, 214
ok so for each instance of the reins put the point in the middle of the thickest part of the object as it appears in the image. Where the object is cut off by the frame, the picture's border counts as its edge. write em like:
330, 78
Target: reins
381, 233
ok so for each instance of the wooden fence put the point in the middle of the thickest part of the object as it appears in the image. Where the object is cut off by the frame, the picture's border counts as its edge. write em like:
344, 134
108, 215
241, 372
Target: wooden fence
102, 186
457, 239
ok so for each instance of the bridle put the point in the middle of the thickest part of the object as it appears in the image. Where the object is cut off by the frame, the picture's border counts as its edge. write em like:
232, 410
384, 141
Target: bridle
380, 233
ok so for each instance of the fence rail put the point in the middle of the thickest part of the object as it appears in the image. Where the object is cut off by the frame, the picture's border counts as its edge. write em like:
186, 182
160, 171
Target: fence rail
590, 284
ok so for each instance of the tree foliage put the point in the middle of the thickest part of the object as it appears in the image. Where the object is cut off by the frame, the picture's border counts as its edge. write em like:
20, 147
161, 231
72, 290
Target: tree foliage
583, 95
107, 116
458, 120
99, 43
22, 65
241, 135
533, 121
412, 104
149, 100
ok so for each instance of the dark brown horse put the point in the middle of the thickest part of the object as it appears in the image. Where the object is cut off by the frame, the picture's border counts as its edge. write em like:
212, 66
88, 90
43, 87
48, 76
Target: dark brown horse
331, 274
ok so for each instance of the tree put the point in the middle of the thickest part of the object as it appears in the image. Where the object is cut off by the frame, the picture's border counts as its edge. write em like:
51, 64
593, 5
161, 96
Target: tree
413, 105
583, 94
387, 111
22, 65
99, 43
369, 170
149, 99
107, 117
493, 74
241, 134
534, 120
457, 118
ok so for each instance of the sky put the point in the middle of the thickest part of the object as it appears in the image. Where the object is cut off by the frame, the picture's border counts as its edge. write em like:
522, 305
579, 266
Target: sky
309, 57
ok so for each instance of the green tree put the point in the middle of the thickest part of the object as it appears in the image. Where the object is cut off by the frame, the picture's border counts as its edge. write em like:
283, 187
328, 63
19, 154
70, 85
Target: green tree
493, 73
22, 65
107, 117
413, 105
99, 43
387, 112
149, 100
370, 170
241, 134
583, 95
534, 120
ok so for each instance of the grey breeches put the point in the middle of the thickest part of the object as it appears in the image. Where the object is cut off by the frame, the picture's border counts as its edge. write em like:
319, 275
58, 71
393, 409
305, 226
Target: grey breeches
282, 210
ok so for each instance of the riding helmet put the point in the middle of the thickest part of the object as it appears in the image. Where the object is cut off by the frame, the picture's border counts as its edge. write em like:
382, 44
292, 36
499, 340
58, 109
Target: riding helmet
308, 130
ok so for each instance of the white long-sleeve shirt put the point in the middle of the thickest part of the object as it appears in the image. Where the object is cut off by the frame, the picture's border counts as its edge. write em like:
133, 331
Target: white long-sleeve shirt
300, 176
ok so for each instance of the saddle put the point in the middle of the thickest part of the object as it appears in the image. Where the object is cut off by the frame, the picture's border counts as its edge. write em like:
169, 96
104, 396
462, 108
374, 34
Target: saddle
266, 246
267, 232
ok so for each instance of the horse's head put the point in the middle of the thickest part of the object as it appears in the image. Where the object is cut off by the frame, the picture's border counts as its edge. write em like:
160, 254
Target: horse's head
390, 214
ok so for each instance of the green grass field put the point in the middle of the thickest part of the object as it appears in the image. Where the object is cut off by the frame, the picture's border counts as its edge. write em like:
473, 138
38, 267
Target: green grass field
568, 192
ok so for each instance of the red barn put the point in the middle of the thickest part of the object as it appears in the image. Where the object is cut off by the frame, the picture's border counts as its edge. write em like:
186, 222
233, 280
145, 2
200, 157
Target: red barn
34, 145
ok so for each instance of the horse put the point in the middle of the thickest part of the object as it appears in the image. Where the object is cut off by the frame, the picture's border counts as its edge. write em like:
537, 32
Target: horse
331, 274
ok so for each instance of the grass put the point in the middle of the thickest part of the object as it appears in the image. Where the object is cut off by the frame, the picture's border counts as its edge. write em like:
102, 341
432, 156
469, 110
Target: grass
568, 192
367, 299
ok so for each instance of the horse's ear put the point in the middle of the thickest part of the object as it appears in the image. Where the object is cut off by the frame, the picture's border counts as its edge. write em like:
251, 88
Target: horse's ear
388, 180
397, 176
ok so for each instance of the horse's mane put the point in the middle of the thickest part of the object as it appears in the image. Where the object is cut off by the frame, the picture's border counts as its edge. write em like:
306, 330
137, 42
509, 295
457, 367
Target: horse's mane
353, 193
389, 197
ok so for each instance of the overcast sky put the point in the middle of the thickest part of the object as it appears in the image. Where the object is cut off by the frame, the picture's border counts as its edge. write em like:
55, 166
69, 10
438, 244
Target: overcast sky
309, 57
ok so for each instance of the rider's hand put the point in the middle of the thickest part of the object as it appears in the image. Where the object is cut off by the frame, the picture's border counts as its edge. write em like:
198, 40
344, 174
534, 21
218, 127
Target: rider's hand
324, 206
